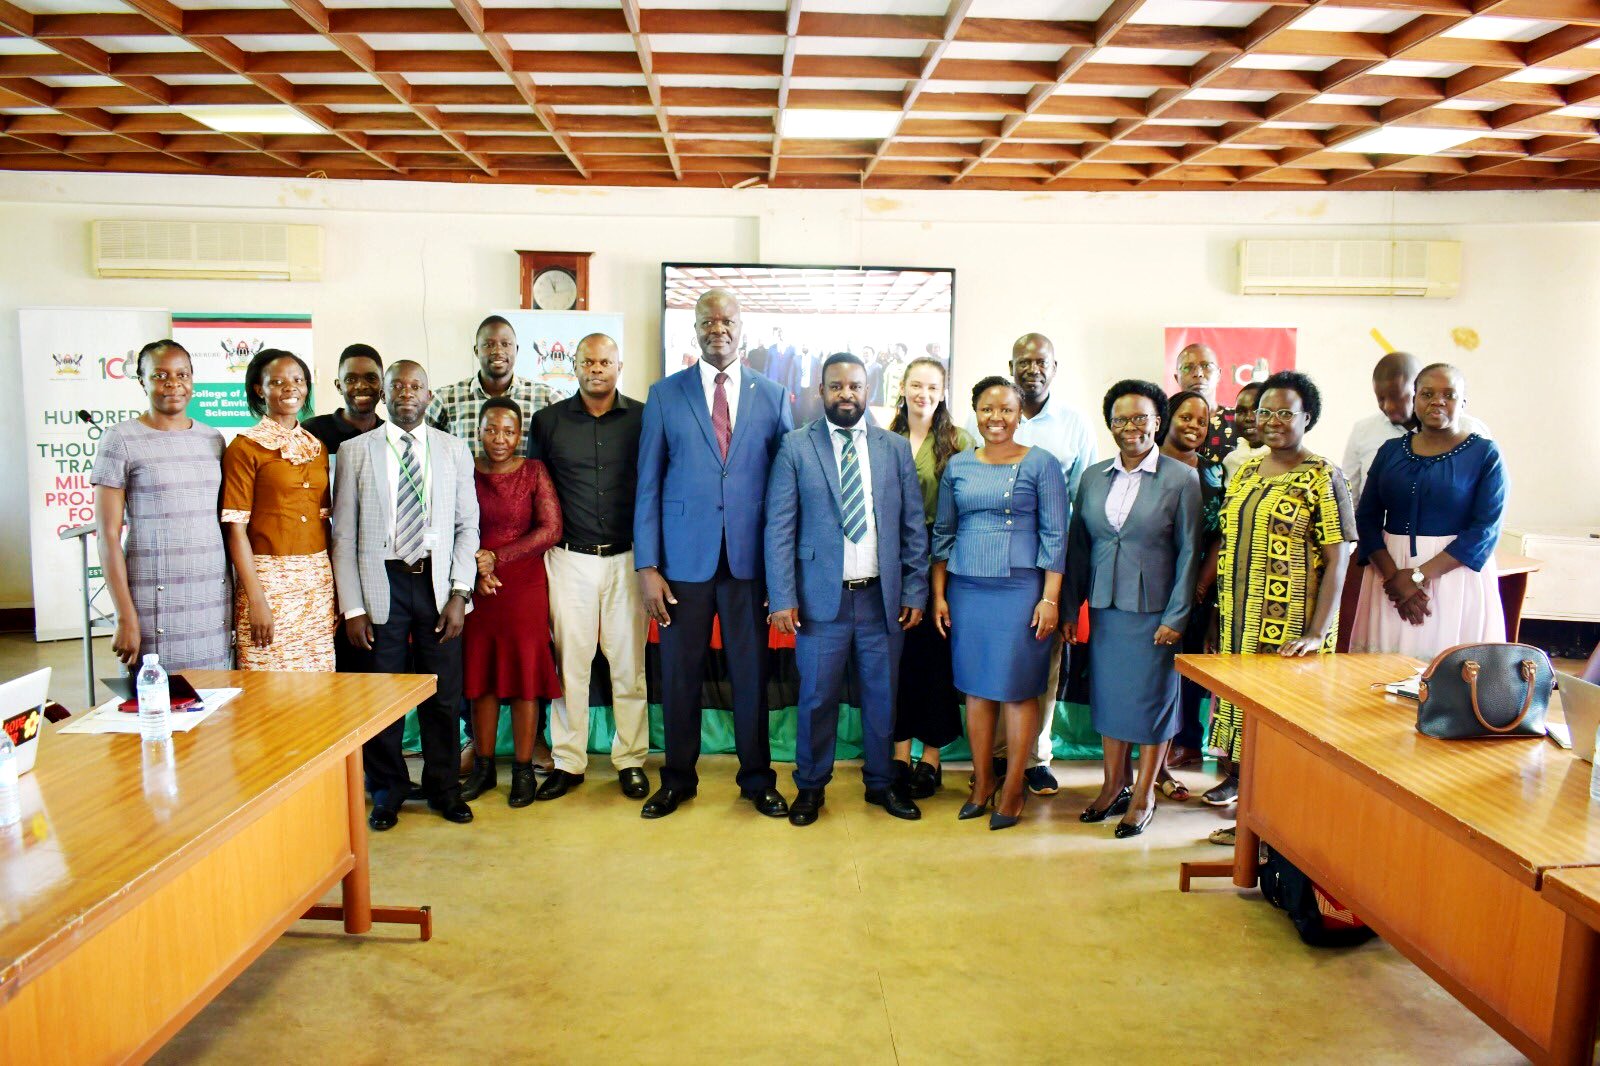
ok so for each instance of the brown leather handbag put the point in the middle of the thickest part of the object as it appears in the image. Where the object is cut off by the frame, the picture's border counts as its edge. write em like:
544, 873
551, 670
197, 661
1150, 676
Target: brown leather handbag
1485, 690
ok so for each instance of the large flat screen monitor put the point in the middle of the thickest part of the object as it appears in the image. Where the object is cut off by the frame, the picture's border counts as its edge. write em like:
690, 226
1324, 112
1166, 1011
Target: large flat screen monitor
796, 316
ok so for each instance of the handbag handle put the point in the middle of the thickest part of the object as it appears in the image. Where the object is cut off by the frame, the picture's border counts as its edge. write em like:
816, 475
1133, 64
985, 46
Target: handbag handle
1469, 673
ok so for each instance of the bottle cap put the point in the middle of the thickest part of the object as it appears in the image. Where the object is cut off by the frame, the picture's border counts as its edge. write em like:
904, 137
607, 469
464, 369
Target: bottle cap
152, 657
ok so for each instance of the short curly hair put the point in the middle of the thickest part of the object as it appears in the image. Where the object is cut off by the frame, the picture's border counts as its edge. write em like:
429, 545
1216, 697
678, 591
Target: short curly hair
990, 382
1302, 386
1136, 387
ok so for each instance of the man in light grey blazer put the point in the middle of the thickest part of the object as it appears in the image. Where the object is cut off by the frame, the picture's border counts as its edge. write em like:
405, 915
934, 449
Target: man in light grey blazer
847, 572
405, 535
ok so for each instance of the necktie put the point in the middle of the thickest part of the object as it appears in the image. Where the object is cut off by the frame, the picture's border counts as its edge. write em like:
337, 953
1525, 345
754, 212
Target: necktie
408, 518
852, 503
720, 419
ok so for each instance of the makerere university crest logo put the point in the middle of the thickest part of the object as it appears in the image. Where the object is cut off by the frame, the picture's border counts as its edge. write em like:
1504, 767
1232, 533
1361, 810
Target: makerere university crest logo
68, 364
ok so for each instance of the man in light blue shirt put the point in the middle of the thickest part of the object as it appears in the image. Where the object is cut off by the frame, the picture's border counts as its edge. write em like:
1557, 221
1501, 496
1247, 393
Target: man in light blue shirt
1050, 423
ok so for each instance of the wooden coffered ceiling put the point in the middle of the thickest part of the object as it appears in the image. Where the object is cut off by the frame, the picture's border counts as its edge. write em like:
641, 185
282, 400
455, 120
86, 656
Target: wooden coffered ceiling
986, 94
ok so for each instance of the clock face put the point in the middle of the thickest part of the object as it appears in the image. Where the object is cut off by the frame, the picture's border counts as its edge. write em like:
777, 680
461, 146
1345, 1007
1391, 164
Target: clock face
555, 289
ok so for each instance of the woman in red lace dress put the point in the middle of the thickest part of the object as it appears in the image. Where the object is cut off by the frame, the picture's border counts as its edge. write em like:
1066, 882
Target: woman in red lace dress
508, 655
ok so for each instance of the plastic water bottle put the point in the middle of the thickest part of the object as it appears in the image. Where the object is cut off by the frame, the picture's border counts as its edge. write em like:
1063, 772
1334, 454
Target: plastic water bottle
10, 801
155, 701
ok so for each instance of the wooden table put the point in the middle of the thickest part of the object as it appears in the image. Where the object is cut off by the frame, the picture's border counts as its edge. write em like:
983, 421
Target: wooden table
139, 888
1442, 847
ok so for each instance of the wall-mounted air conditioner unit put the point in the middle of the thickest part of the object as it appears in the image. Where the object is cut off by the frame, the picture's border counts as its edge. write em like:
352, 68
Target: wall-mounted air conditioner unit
237, 251
1349, 268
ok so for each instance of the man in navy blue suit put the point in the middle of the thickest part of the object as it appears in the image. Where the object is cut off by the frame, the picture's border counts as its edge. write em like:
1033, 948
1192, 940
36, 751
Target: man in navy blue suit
710, 432
847, 573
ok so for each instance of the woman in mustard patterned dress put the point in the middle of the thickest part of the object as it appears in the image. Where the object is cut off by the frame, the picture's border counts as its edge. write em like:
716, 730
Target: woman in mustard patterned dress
1286, 528
275, 510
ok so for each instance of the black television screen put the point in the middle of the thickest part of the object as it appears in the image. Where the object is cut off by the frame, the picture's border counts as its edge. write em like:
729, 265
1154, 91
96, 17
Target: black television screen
794, 317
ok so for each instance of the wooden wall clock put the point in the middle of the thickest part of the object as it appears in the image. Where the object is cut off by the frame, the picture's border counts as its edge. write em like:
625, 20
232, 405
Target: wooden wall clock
555, 281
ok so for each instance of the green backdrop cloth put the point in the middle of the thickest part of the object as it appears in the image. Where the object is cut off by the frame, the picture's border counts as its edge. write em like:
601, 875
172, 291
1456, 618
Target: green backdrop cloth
1074, 735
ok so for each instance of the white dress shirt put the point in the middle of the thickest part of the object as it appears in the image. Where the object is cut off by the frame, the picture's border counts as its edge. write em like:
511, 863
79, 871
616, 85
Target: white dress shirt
1059, 430
1242, 453
708, 381
1372, 433
419, 451
860, 557
1125, 487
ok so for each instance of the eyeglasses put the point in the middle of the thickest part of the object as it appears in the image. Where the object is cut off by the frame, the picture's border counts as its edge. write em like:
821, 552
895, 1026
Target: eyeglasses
1264, 415
1140, 421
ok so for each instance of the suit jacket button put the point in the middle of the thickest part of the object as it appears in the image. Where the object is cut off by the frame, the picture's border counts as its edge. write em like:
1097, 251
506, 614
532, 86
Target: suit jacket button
161, 588
159, 631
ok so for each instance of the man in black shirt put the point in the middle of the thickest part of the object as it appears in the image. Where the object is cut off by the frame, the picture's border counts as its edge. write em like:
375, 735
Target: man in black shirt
360, 384
590, 444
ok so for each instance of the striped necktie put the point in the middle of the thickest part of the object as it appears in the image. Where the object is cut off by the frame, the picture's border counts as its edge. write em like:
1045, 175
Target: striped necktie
408, 518
852, 502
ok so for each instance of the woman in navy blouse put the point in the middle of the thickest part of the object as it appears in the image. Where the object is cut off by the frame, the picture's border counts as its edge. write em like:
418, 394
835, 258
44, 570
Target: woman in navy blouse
1428, 519
999, 550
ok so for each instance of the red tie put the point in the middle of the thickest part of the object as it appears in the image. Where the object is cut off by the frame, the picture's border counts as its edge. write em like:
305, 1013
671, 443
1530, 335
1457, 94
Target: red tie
719, 415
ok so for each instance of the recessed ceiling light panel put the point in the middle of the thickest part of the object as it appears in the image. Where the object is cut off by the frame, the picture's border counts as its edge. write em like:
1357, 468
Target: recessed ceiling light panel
1407, 140
808, 124
265, 119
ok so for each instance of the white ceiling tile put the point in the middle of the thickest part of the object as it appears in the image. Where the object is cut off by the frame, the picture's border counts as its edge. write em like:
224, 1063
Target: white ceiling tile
601, 109
1547, 75
849, 84
1072, 10
699, 5
22, 46
1023, 133
878, 7
1197, 13
140, 109
956, 116
486, 77
1406, 68
1468, 105
141, 44
388, 3
1270, 61
217, 5
570, 42
1579, 111
1012, 87
612, 4
289, 42
743, 44
500, 109
1492, 28
332, 79
1036, 53
77, 7
1352, 20
740, 112
1355, 101
424, 42
36, 110
692, 81
1138, 92
204, 79
854, 46
1297, 125
1146, 57
1236, 96
78, 81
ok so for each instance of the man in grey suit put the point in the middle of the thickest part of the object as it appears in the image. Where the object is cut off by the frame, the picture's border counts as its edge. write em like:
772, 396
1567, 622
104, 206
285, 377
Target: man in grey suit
405, 534
847, 573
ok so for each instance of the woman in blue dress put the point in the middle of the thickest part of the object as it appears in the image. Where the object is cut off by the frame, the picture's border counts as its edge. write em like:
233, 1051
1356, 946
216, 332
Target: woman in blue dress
999, 551
1428, 520
1133, 553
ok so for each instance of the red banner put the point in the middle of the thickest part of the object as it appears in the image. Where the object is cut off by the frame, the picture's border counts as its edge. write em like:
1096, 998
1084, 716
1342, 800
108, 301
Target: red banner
1244, 354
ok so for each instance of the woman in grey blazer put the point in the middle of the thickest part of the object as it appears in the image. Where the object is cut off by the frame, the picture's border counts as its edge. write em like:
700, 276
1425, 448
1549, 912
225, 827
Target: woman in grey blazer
1133, 550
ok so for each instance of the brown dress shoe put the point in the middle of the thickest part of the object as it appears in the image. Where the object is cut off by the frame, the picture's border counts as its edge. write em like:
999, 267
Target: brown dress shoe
1178, 756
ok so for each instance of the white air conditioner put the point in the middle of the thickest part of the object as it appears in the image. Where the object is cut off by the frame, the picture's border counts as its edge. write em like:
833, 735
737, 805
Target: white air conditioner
236, 251
1349, 268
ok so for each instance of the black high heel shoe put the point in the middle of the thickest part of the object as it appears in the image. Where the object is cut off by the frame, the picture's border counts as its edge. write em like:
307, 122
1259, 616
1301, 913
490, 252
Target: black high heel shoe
973, 810
1118, 806
1006, 821
1133, 829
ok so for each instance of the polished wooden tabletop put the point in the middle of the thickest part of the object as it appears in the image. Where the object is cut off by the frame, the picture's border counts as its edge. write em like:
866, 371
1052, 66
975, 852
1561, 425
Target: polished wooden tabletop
1577, 891
1507, 563
104, 820
1524, 803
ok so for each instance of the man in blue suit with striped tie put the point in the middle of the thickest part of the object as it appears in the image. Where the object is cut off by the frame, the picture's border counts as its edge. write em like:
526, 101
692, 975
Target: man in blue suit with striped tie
847, 573
705, 447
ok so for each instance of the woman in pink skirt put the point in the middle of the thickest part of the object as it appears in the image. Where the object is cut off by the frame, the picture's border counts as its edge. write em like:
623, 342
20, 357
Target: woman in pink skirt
1428, 519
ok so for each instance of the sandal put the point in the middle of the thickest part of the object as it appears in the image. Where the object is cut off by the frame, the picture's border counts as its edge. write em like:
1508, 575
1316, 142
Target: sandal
1174, 790
1224, 836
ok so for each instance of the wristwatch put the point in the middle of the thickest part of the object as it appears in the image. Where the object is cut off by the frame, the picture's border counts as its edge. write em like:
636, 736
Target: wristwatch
465, 594
1416, 576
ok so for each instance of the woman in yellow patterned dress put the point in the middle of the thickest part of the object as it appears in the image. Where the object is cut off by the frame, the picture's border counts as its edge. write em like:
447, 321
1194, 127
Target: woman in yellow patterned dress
1287, 523
275, 511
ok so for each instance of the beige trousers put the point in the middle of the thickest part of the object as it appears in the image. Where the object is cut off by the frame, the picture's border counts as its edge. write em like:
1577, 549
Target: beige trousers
595, 603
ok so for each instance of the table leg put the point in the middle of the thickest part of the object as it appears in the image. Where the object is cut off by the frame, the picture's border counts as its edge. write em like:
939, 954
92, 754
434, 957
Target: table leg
1513, 590
1246, 845
1572, 1030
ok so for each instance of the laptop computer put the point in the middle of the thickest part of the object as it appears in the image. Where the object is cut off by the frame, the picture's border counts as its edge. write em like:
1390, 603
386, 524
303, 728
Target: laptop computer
1580, 705
22, 703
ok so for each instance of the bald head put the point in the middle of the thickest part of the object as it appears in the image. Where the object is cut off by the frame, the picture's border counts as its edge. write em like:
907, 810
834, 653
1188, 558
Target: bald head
1198, 370
598, 364
717, 327
1393, 381
1033, 368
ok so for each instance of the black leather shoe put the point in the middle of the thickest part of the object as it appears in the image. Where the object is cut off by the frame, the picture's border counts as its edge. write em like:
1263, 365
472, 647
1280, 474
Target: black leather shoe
635, 785
382, 819
899, 772
925, 780
664, 802
769, 801
1133, 829
1118, 806
482, 778
523, 784
895, 802
1006, 821
452, 807
973, 810
414, 792
558, 784
807, 803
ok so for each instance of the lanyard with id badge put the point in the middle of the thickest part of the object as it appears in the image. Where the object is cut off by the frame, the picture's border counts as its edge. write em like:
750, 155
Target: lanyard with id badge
409, 483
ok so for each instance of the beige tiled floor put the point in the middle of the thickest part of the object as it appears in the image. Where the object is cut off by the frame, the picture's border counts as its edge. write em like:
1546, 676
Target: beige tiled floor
575, 932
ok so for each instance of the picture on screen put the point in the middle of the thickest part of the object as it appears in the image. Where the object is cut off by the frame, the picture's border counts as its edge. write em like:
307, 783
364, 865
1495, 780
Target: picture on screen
794, 317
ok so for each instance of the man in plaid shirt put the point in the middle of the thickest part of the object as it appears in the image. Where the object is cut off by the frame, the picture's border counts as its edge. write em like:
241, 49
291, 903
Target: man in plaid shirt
455, 407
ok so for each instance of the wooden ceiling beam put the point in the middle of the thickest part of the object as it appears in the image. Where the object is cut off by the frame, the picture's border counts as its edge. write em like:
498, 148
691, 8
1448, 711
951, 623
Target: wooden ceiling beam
472, 12
932, 59
791, 24
647, 64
